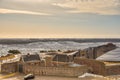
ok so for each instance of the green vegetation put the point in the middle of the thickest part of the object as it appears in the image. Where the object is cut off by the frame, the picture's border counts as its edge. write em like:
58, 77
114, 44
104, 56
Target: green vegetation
52, 51
14, 51
43, 51
59, 50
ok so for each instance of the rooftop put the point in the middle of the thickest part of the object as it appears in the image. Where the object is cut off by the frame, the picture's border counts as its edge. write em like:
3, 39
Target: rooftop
61, 58
31, 57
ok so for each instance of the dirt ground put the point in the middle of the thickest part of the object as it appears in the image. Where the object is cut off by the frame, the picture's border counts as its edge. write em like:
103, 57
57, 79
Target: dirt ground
21, 77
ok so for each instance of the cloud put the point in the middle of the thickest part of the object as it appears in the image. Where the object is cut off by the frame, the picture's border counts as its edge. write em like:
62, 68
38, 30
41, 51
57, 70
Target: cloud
35, 7
29, 1
8, 11
102, 7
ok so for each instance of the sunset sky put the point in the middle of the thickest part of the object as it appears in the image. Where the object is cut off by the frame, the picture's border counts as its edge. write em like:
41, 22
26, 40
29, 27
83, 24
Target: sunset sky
59, 18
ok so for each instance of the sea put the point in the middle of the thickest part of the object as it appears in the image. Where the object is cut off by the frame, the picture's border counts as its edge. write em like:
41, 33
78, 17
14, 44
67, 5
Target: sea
35, 45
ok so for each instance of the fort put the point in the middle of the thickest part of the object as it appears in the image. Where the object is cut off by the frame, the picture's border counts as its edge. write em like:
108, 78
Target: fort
33, 64
69, 64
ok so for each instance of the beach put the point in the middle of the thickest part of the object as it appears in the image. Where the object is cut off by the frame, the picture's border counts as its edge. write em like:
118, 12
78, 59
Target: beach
21, 77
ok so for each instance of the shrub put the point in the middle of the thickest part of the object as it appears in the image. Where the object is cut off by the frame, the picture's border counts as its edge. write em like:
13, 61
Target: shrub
14, 51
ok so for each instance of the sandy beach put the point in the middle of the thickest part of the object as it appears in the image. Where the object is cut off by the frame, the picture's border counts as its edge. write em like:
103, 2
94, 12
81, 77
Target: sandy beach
21, 77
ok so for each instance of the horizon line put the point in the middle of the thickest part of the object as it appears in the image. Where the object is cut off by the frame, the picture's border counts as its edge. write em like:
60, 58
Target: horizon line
60, 38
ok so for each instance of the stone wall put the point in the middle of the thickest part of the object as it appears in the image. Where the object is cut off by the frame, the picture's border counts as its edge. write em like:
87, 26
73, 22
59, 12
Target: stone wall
38, 68
94, 52
113, 69
95, 67
9, 67
48, 61
100, 50
55, 71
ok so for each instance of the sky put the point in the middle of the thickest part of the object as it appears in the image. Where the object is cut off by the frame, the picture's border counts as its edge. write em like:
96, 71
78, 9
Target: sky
59, 18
